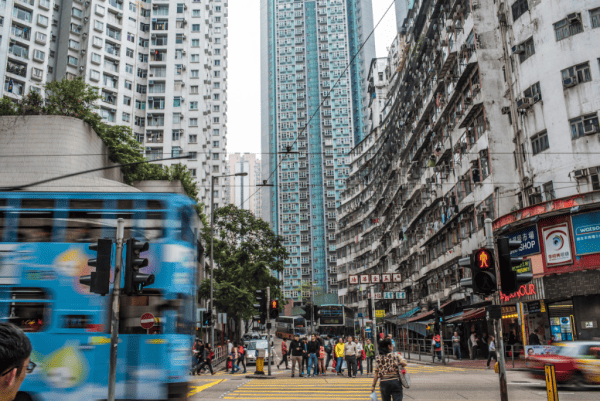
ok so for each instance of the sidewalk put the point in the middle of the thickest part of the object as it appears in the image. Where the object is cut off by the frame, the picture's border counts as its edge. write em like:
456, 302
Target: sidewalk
426, 359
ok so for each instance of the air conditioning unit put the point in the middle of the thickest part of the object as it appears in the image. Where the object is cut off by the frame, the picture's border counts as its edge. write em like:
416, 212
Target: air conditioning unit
570, 82
537, 97
182, 99
574, 18
154, 6
84, 34
150, 99
113, 110
581, 173
484, 209
120, 15
54, 22
83, 52
476, 87
183, 52
536, 190
524, 103
506, 110
82, 68
518, 49
590, 129
86, 19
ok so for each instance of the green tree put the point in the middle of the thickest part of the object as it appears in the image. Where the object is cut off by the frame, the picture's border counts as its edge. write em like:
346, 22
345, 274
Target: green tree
246, 253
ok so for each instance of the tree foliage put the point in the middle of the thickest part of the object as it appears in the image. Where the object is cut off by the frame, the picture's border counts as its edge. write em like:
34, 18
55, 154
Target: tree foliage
75, 98
246, 251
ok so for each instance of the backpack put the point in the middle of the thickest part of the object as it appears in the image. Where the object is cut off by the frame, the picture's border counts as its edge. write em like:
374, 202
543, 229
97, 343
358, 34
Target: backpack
328, 348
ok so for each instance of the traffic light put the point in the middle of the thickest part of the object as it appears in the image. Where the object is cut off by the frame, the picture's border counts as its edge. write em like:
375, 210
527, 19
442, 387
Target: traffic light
274, 306
134, 280
370, 308
316, 312
436, 319
261, 305
509, 279
483, 272
206, 318
99, 281
308, 310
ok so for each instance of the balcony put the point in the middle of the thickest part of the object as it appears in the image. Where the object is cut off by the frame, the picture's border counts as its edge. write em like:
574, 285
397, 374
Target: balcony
160, 26
154, 137
22, 15
18, 51
113, 33
112, 49
16, 68
158, 55
21, 33
109, 98
116, 3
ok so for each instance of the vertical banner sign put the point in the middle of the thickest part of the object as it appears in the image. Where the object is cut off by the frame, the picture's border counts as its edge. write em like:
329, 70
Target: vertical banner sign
353, 279
364, 279
557, 244
551, 383
386, 278
586, 233
397, 277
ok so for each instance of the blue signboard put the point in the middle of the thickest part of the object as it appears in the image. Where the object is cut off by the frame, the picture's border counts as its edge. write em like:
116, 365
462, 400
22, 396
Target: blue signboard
530, 242
586, 233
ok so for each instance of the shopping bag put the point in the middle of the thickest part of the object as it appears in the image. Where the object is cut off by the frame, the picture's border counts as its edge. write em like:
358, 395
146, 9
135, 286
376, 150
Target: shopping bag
374, 396
344, 365
334, 364
405, 379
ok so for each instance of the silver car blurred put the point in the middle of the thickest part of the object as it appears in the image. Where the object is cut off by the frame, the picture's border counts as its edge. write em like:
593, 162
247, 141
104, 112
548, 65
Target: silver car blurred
252, 348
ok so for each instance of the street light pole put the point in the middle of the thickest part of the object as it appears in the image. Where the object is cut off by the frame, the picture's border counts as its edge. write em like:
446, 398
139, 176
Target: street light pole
212, 255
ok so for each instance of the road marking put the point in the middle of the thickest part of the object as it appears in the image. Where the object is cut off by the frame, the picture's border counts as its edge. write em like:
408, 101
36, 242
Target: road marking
197, 389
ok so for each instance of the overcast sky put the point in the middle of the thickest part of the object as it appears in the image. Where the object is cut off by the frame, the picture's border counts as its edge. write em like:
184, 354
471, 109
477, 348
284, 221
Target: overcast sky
243, 98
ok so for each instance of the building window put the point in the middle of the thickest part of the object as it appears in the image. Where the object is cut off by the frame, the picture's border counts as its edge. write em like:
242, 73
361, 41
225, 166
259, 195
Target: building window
581, 71
215, 132
193, 155
195, 58
195, 74
583, 124
519, 8
129, 68
193, 122
176, 134
215, 144
568, 27
595, 18
215, 156
193, 172
196, 13
127, 100
128, 84
529, 50
72, 61
548, 190
194, 89
534, 90
179, 38
195, 27
193, 138
539, 142
126, 117
193, 105
195, 42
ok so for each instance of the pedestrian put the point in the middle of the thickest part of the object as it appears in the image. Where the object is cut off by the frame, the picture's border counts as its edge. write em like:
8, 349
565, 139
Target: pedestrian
534, 339
329, 345
305, 355
15, 349
196, 354
312, 349
437, 347
205, 360
456, 345
297, 350
491, 351
359, 356
235, 354
284, 355
392, 340
350, 354
387, 370
242, 357
321, 356
339, 355
229, 360
473, 345
370, 354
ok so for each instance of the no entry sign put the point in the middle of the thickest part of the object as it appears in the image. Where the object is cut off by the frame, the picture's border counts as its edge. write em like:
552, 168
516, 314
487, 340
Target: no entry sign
147, 321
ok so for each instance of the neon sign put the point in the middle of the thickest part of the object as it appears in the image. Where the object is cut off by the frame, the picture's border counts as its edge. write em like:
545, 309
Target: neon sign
524, 291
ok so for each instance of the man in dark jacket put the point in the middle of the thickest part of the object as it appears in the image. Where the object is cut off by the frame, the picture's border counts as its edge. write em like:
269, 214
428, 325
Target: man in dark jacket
297, 350
312, 349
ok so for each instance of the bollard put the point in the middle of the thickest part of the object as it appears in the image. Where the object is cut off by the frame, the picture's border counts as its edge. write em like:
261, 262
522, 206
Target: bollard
512, 352
419, 351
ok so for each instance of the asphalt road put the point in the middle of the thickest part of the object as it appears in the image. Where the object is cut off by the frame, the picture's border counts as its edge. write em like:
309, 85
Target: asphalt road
428, 383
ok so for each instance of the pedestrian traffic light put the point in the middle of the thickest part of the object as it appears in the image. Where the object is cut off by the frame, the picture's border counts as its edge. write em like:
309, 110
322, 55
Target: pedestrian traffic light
510, 280
370, 308
308, 310
316, 312
134, 280
483, 272
206, 318
99, 281
261, 305
274, 312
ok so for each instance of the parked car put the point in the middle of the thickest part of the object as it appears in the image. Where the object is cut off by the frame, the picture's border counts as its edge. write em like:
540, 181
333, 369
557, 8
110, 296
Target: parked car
250, 336
576, 363
252, 348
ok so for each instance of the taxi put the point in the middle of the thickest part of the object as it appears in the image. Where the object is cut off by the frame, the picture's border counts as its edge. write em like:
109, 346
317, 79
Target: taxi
576, 362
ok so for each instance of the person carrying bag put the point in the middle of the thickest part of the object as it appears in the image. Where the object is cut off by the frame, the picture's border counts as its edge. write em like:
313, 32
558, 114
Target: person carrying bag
389, 371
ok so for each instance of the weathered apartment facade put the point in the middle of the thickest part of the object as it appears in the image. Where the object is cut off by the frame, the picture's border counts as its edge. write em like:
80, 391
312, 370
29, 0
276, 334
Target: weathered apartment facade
491, 112
160, 67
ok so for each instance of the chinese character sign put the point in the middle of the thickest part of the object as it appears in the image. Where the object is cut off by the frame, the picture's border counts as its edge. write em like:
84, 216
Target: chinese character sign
388, 295
364, 279
557, 244
386, 278
397, 277
353, 279
401, 295
586, 231
375, 278
377, 295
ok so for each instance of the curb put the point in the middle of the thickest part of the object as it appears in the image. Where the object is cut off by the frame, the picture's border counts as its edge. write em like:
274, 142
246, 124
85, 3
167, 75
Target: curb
449, 365
261, 377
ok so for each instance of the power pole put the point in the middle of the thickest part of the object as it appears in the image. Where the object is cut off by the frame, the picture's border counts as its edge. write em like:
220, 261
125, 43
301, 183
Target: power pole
497, 322
114, 327
374, 322
268, 322
312, 304
441, 334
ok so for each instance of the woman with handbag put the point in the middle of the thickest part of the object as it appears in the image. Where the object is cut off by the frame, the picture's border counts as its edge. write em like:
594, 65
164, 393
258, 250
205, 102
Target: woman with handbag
360, 356
389, 371
321, 357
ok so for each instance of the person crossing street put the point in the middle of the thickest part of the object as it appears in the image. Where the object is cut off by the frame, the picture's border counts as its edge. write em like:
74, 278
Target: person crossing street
350, 353
284, 355
388, 366
329, 346
359, 356
312, 349
339, 355
492, 351
297, 349
370, 353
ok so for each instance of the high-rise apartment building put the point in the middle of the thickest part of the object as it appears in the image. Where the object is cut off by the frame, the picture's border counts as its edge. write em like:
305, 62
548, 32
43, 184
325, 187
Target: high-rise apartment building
161, 68
312, 107
242, 189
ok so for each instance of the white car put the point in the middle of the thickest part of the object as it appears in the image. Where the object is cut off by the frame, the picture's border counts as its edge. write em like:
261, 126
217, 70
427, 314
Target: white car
252, 348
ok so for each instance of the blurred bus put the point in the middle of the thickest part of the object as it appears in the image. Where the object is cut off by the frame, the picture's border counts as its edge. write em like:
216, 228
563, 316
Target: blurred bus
44, 250
336, 320
288, 326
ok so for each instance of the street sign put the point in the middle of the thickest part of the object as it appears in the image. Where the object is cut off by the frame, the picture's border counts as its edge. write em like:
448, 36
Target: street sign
147, 321
380, 313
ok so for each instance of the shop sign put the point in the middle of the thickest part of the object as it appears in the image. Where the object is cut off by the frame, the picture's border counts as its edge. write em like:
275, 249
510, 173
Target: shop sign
524, 291
364, 279
397, 277
531, 350
353, 279
401, 295
388, 295
586, 233
380, 313
534, 307
524, 267
386, 278
375, 278
589, 325
557, 244
530, 243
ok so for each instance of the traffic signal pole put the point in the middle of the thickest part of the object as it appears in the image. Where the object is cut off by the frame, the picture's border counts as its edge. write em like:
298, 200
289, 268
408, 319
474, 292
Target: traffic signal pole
441, 333
268, 324
374, 323
114, 327
497, 322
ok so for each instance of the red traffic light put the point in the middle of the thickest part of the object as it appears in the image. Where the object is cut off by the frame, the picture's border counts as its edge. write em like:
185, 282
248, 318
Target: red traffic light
484, 260
274, 304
